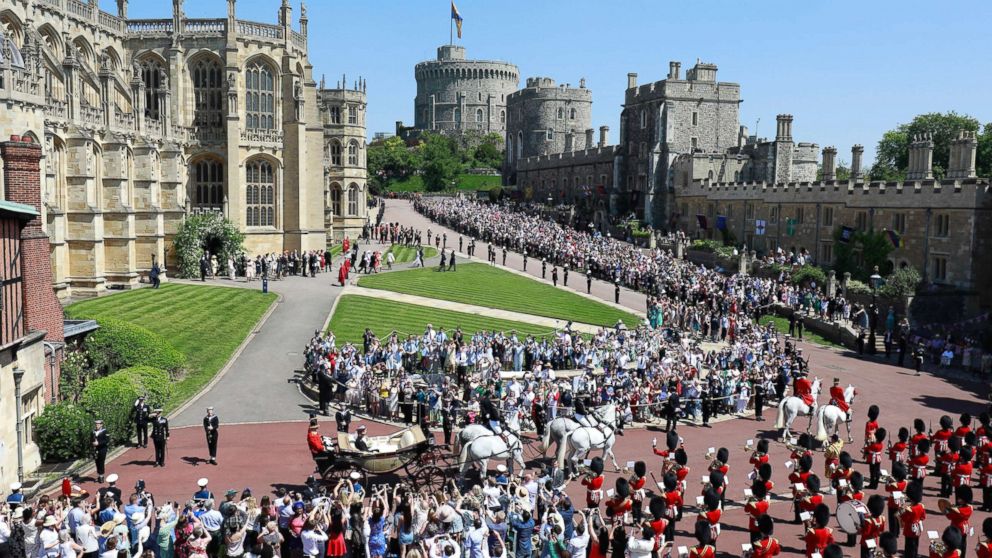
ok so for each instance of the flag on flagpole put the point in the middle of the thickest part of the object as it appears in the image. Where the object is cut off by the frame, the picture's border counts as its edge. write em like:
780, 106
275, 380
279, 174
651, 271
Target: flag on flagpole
457, 17
759, 227
846, 234
721, 222
894, 238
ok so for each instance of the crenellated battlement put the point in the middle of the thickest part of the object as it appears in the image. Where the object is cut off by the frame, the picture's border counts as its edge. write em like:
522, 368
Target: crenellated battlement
582, 157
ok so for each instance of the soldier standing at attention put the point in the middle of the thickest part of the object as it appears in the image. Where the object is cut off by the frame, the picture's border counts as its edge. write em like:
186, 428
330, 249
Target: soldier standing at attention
616, 292
139, 416
544, 268
588, 282
211, 427
160, 434
100, 441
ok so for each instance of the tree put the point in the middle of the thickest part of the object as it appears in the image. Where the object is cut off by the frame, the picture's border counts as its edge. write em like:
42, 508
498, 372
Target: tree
892, 155
388, 160
874, 247
441, 161
843, 171
488, 156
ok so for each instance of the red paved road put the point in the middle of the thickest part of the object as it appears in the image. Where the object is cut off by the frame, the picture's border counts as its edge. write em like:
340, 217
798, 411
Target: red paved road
262, 456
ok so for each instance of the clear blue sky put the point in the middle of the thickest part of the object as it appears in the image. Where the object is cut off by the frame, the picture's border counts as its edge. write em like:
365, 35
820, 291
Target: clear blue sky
847, 71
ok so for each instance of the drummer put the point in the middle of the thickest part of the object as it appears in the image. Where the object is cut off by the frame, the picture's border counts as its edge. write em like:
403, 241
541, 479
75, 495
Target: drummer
852, 493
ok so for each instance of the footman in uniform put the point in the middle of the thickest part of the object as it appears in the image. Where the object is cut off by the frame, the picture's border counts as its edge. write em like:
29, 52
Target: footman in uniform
100, 442
160, 434
211, 427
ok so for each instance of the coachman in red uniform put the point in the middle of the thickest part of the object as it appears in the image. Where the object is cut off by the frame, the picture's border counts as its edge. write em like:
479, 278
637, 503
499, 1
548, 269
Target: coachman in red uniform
802, 388
837, 398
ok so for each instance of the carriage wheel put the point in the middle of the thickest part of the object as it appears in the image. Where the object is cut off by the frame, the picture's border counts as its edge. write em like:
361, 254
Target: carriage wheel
430, 476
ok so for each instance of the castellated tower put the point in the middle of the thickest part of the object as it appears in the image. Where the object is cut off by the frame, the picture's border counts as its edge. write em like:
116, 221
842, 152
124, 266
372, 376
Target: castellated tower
455, 95
546, 119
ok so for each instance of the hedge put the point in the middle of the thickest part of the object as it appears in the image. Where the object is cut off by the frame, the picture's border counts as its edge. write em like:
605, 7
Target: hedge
119, 344
153, 383
111, 399
809, 273
62, 432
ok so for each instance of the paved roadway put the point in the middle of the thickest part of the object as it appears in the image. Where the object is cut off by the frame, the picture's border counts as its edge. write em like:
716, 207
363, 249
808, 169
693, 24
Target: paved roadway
261, 456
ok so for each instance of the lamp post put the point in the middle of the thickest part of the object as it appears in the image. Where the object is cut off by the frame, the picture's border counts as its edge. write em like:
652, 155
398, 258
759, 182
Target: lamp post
876, 280
18, 375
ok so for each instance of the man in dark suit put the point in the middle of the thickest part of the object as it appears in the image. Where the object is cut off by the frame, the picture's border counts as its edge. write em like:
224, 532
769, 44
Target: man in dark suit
160, 435
100, 441
139, 416
211, 427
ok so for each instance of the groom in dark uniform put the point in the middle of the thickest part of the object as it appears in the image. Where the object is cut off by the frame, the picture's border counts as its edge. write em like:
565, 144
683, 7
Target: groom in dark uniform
211, 427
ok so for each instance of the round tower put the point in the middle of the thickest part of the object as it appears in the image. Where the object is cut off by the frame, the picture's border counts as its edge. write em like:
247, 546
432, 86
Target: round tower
456, 95
544, 119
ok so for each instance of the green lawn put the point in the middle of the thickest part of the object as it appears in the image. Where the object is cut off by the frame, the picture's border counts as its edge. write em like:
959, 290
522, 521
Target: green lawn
485, 285
336, 250
205, 323
468, 182
782, 325
406, 254
354, 313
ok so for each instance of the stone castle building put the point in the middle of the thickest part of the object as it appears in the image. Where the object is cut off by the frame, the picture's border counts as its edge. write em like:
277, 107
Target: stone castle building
684, 162
456, 95
143, 122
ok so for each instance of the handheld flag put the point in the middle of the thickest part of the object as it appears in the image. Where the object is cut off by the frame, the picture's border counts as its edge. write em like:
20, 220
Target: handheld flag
894, 238
457, 17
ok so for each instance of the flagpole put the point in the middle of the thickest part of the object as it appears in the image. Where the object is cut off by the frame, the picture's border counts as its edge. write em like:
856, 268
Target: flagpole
451, 30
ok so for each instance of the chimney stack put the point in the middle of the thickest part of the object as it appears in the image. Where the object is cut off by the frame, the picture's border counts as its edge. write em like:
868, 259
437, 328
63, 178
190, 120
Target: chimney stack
920, 158
604, 135
673, 69
963, 152
857, 152
783, 131
631, 80
590, 137
829, 163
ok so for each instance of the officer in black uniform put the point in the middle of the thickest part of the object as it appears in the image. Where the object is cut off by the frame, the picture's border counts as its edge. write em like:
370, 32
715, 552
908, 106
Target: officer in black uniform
100, 441
160, 434
139, 416
343, 419
211, 427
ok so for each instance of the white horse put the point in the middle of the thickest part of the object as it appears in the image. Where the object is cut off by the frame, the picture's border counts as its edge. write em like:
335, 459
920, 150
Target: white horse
793, 406
484, 448
830, 417
469, 433
579, 442
557, 429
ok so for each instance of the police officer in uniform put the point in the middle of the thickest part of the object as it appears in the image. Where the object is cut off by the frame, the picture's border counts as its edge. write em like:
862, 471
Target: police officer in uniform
211, 427
16, 497
160, 434
100, 441
139, 416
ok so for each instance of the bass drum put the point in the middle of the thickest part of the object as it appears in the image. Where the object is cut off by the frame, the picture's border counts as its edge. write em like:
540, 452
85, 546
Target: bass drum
851, 516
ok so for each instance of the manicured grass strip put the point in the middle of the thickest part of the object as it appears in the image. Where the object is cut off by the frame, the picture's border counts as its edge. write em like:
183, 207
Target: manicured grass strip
336, 250
466, 182
354, 313
782, 325
406, 254
489, 286
205, 323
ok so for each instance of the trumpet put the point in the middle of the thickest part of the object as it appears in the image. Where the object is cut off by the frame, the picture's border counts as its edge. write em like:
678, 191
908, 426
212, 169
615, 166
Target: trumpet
938, 547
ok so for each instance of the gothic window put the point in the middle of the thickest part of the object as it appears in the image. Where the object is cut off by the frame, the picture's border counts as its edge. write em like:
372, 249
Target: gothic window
502, 117
353, 115
335, 153
478, 115
151, 74
571, 114
336, 198
561, 113
260, 205
208, 185
551, 134
353, 200
353, 154
335, 115
457, 116
520, 143
260, 97
208, 93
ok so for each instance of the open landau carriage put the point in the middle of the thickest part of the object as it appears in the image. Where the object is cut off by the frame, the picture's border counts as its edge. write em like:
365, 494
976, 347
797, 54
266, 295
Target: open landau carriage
408, 450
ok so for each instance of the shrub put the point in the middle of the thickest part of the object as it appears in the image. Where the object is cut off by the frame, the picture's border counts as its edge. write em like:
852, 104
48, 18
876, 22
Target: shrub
857, 287
641, 233
119, 344
725, 251
809, 273
705, 245
111, 399
75, 374
153, 383
62, 432
902, 283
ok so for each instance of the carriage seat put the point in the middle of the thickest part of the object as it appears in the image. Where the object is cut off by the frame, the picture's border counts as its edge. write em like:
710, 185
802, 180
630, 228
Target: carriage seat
383, 444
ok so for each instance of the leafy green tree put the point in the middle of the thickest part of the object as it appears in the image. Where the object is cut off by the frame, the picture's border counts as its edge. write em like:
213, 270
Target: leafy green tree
875, 248
488, 155
843, 171
892, 155
390, 159
441, 161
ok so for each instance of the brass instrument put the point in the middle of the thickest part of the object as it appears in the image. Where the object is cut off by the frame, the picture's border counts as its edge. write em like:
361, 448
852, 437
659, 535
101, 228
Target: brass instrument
938, 547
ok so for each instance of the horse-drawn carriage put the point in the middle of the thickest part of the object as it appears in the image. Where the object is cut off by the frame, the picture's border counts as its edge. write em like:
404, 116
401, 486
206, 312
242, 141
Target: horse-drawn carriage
408, 450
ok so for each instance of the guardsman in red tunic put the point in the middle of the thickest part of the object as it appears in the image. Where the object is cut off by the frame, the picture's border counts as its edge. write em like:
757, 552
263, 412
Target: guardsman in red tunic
704, 548
873, 457
962, 431
918, 463
711, 514
671, 443
673, 501
802, 388
963, 469
911, 518
765, 476
952, 540
960, 513
945, 464
874, 525
637, 482
767, 546
593, 481
721, 465
681, 468
797, 480
984, 432
896, 490
984, 549
940, 438
819, 536
853, 491
985, 481
758, 457
919, 427
871, 425
841, 475
756, 506
837, 398
897, 451
620, 503
659, 523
